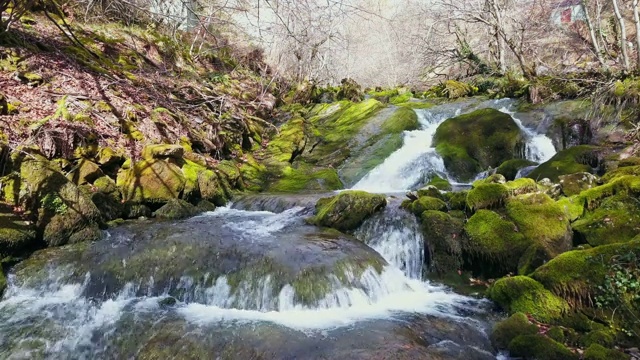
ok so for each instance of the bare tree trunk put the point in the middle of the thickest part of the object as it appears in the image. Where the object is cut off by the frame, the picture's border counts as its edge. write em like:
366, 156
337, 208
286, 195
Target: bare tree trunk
623, 35
592, 33
501, 51
636, 19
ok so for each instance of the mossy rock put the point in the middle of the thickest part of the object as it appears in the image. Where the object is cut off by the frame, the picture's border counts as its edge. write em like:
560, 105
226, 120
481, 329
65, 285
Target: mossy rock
603, 337
476, 141
85, 172
494, 243
620, 172
440, 183
487, 196
457, 200
212, 188
347, 210
290, 141
108, 156
578, 159
556, 334
539, 347
17, 236
430, 191
524, 294
65, 213
135, 211
305, 178
151, 181
574, 184
521, 186
573, 207
176, 209
425, 203
599, 352
509, 169
205, 206
165, 151
443, 235
575, 275
624, 185
107, 197
507, 330
617, 219
529, 211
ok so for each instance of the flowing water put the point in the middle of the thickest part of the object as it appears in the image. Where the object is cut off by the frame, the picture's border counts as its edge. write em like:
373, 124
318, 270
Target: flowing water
417, 161
255, 281
81, 301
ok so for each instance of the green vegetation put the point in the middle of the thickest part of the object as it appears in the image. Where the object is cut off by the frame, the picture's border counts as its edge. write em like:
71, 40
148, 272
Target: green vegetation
577, 159
540, 347
347, 210
523, 294
507, 330
476, 141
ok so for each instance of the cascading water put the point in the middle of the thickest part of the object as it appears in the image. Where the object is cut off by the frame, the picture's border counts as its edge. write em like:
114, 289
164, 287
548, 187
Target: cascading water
67, 314
416, 161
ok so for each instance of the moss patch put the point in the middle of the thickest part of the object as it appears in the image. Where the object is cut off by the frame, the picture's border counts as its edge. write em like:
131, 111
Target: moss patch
509, 169
443, 236
617, 219
578, 159
425, 203
347, 210
523, 294
539, 347
487, 196
507, 330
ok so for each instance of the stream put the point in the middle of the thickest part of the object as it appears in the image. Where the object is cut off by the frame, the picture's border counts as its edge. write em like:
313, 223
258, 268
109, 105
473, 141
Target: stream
254, 281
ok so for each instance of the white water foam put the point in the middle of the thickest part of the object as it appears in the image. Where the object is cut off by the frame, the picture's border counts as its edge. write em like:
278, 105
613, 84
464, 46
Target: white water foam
539, 146
414, 162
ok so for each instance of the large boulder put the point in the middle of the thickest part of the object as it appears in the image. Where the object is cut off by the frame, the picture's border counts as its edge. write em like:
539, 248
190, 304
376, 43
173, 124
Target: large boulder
65, 214
616, 219
176, 209
347, 210
507, 330
443, 235
583, 158
151, 181
476, 141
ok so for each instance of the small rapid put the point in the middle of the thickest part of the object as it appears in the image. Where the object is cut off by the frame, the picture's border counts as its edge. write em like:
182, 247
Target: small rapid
417, 161
66, 311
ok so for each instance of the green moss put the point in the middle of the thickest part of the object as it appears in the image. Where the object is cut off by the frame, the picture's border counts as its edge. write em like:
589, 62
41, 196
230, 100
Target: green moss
620, 172
625, 185
425, 203
486, 196
443, 236
556, 334
152, 181
539, 347
347, 210
495, 242
572, 206
577, 159
529, 211
253, 174
191, 170
509, 169
574, 184
617, 219
440, 183
457, 200
521, 186
176, 209
476, 141
599, 352
523, 294
604, 337
507, 330
290, 141
403, 119
16, 235
576, 275
417, 105
162, 151
304, 179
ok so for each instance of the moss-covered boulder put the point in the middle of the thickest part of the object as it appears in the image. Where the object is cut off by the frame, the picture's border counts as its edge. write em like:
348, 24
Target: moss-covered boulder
574, 184
425, 203
305, 178
576, 275
85, 172
616, 219
507, 330
476, 141
440, 183
107, 197
176, 209
487, 196
347, 210
509, 169
151, 181
65, 213
578, 159
539, 347
443, 236
163, 151
529, 211
524, 294
17, 236
599, 352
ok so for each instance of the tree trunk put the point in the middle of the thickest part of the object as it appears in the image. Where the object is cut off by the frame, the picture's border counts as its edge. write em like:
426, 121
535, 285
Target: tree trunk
636, 19
592, 33
623, 35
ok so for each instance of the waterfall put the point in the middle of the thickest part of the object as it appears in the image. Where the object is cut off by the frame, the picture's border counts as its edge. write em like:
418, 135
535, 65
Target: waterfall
414, 162
539, 147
